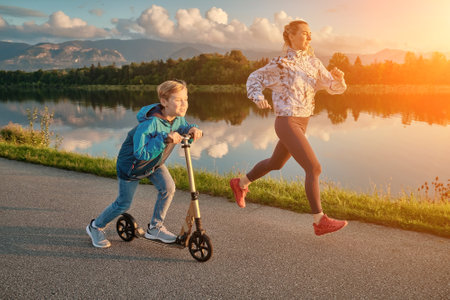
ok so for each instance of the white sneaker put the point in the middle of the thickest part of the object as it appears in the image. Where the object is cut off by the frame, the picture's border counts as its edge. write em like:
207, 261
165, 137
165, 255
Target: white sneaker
160, 234
97, 236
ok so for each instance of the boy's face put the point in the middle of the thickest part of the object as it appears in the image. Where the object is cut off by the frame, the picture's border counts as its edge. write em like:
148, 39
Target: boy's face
176, 105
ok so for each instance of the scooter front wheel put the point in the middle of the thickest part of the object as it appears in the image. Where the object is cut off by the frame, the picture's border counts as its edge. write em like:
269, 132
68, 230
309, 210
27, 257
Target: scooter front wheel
200, 247
126, 227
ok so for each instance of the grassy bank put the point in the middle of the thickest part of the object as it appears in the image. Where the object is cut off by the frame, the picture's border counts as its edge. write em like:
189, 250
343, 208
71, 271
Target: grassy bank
407, 212
357, 89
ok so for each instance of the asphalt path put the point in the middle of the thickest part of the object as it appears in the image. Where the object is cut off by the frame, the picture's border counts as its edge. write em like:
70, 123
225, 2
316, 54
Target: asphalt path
259, 252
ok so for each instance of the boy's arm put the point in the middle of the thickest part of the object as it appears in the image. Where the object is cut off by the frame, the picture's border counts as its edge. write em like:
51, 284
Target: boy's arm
147, 142
185, 127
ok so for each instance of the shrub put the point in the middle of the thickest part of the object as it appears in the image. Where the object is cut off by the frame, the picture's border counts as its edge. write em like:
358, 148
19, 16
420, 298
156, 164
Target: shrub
16, 134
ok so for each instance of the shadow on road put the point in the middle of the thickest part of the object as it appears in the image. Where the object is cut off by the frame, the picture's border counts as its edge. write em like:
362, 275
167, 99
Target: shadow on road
66, 242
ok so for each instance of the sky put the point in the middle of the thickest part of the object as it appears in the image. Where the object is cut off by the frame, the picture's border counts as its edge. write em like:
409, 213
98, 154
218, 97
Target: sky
348, 26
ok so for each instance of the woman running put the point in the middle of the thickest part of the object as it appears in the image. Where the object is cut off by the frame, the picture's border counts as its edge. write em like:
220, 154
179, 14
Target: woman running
294, 79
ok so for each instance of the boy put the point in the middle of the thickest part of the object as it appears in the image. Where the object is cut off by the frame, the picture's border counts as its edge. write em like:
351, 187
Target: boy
143, 154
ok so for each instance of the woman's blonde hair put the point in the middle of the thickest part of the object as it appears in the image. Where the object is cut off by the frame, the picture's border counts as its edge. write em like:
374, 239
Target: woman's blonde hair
170, 87
292, 28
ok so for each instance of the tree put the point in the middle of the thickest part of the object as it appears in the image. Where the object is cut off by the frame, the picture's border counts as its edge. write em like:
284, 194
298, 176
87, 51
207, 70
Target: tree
237, 56
410, 59
357, 72
340, 61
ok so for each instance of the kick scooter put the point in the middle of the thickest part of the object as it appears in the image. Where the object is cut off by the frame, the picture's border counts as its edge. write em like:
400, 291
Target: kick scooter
199, 244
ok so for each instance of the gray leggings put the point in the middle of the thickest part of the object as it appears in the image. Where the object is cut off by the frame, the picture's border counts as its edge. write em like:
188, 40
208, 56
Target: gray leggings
291, 132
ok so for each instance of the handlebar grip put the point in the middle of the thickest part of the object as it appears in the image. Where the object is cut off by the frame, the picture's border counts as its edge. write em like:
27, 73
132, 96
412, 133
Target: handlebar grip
190, 135
169, 140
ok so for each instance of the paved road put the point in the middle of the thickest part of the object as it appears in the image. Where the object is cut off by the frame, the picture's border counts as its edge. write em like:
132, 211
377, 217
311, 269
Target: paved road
259, 252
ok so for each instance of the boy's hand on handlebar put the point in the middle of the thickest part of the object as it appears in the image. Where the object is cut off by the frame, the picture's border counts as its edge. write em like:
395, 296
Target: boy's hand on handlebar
195, 133
174, 137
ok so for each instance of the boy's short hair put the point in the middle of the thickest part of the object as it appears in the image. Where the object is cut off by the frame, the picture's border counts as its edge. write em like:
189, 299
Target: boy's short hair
169, 87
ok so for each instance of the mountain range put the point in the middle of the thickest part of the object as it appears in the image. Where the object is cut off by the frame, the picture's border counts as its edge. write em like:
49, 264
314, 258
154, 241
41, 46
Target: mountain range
77, 54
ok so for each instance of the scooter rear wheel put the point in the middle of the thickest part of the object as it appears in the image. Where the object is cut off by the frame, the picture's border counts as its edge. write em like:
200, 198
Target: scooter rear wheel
200, 247
126, 227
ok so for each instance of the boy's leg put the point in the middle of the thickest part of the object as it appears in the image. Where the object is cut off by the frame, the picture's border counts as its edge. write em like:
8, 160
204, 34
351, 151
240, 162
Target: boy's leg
163, 182
122, 203
127, 188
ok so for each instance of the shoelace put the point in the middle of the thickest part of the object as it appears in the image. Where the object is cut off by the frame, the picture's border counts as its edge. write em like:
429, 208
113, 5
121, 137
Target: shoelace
101, 230
331, 224
164, 230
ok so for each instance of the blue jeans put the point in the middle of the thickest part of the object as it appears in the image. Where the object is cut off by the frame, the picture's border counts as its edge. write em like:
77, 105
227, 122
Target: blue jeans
163, 182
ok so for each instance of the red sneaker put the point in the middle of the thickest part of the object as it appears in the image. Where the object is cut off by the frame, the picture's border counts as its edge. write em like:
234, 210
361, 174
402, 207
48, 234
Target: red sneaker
239, 193
328, 225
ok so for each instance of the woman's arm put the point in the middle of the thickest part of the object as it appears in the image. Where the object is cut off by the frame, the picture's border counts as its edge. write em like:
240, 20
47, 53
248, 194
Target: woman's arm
333, 82
265, 77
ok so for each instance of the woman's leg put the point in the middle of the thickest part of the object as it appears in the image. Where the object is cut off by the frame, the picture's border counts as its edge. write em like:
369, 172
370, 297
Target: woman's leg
291, 131
239, 186
278, 159
127, 189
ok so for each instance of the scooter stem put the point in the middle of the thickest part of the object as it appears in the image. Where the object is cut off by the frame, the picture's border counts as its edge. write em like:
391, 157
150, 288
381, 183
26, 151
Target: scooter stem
195, 209
187, 154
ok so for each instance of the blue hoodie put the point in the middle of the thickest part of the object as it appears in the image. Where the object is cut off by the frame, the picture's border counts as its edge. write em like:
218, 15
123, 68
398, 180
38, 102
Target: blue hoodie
144, 148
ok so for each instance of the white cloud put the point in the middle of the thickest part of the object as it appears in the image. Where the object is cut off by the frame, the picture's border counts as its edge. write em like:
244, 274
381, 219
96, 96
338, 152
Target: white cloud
2, 23
213, 28
59, 25
282, 19
20, 12
189, 25
61, 20
217, 15
218, 150
127, 28
156, 22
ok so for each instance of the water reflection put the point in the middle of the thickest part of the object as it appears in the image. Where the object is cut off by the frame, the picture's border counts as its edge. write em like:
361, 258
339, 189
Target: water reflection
361, 141
423, 108
234, 108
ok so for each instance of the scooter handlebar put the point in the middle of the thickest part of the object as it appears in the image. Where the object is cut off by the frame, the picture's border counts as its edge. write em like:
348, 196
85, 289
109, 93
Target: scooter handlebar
186, 136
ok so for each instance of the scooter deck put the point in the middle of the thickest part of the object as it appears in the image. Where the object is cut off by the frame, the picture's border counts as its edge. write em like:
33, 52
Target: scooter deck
140, 232
171, 245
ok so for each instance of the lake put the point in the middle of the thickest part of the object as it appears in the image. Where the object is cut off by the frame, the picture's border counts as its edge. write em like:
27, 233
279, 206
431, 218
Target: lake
390, 142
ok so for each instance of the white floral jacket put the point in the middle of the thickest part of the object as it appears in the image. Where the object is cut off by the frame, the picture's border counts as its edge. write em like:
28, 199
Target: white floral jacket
294, 80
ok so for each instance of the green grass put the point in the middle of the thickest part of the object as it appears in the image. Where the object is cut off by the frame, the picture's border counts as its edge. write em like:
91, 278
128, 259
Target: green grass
406, 212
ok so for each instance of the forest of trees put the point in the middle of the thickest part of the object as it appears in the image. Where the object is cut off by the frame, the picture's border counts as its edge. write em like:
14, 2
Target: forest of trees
233, 68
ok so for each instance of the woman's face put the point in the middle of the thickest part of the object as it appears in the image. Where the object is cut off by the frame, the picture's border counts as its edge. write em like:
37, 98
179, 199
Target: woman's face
176, 105
301, 39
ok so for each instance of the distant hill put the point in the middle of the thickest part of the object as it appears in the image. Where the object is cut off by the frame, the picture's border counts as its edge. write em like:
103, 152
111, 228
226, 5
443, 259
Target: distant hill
76, 54
60, 56
185, 53
9, 50
395, 55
